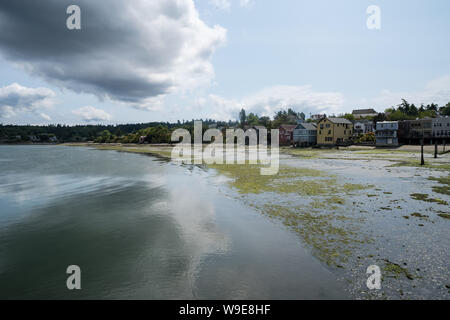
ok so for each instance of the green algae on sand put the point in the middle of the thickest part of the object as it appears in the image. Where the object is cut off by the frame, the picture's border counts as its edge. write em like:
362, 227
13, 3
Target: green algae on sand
396, 271
444, 215
318, 222
445, 188
425, 197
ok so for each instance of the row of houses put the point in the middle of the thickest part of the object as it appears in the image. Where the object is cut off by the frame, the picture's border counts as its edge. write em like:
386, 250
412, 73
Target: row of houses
394, 133
327, 131
340, 131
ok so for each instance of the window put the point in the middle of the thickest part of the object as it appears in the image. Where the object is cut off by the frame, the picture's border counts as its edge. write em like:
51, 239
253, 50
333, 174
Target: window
328, 125
329, 131
345, 131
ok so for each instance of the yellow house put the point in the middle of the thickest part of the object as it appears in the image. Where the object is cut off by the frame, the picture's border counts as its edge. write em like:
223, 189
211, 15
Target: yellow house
332, 131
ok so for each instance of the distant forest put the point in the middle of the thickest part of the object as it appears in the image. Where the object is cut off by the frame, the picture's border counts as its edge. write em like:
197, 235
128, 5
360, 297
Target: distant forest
156, 132
160, 132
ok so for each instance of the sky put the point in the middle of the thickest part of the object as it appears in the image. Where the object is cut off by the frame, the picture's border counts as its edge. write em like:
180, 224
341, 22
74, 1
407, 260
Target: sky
166, 60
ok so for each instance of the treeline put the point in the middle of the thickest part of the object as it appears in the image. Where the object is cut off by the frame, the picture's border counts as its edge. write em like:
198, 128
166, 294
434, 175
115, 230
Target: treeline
288, 116
159, 132
407, 111
155, 132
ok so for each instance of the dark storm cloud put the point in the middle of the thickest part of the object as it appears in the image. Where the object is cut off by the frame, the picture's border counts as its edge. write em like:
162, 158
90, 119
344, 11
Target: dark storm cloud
126, 50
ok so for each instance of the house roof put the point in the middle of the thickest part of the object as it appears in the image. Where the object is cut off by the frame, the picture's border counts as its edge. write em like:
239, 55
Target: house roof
364, 111
363, 121
259, 127
338, 120
387, 122
307, 126
288, 127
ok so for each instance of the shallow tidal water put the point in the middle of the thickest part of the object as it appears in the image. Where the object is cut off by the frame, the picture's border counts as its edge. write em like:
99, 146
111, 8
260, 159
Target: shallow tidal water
140, 228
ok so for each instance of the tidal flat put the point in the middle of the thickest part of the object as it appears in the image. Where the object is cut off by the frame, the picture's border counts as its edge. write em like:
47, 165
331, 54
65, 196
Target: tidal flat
353, 208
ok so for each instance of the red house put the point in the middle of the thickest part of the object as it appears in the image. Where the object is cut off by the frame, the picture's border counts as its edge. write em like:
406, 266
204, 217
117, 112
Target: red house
287, 134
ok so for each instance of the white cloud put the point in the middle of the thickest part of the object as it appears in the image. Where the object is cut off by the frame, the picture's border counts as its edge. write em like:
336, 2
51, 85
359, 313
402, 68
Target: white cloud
246, 3
91, 114
6, 112
269, 100
435, 91
45, 116
221, 4
16, 98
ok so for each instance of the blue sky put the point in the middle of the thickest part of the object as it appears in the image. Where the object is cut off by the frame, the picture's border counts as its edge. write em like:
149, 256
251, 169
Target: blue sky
314, 56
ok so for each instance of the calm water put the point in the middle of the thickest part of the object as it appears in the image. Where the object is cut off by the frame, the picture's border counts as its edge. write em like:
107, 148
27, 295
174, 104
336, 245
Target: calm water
139, 228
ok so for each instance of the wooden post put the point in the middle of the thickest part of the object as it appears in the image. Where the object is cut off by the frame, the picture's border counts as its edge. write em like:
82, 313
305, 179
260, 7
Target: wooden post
422, 160
435, 148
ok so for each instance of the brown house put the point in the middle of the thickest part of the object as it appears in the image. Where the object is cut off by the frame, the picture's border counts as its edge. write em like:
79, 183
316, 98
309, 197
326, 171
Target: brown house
287, 134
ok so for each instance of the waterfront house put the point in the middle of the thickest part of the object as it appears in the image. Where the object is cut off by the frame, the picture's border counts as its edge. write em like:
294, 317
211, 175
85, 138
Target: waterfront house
305, 134
404, 132
142, 139
287, 134
364, 113
387, 134
441, 128
420, 128
361, 127
334, 131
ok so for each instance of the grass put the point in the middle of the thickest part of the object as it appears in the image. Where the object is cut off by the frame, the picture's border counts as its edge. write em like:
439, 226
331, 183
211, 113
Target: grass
445, 188
418, 215
425, 197
395, 270
428, 165
303, 153
444, 215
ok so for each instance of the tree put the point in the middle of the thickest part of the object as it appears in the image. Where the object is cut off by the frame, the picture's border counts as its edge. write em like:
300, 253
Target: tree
242, 117
266, 122
379, 118
445, 110
285, 117
253, 119
349, 116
